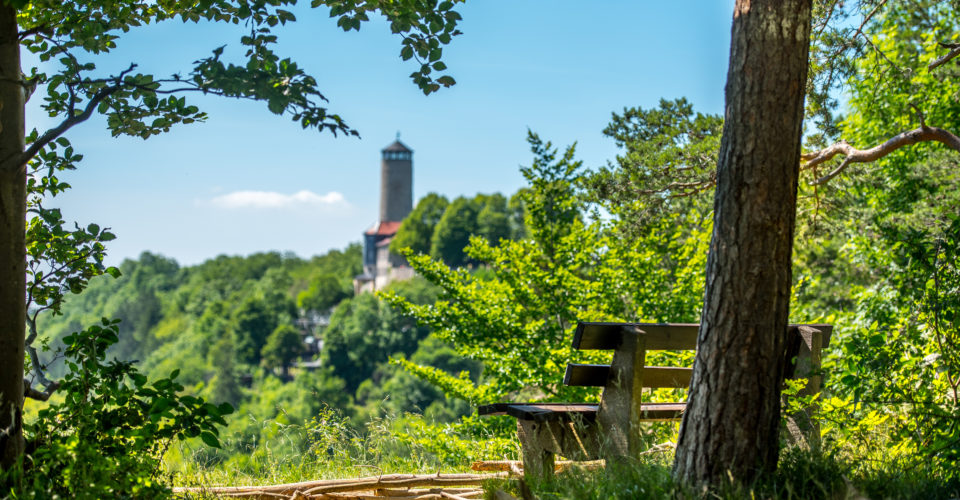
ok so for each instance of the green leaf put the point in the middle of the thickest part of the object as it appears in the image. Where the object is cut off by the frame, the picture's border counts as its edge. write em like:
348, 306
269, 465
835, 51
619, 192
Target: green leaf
210, 439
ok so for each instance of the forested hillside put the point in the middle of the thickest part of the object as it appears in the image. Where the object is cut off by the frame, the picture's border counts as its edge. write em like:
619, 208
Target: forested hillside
281, 337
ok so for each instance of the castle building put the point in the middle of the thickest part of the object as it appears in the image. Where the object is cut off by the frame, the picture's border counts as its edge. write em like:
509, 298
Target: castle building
380, 266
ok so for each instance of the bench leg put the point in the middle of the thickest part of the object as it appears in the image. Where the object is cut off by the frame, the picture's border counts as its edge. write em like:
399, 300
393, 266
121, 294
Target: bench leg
802, 427
537, 460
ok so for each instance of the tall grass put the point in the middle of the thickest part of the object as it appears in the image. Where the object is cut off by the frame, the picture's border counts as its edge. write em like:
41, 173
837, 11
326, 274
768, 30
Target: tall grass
801, 475
270, 452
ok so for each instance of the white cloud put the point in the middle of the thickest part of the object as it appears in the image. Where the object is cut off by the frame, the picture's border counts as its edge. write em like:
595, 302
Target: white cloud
271, 199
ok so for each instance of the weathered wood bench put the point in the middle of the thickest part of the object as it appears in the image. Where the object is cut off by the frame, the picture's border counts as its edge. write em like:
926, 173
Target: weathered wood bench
588, 431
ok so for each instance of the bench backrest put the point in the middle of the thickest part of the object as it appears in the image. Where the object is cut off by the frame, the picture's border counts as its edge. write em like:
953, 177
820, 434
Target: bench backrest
665, 336
624, 379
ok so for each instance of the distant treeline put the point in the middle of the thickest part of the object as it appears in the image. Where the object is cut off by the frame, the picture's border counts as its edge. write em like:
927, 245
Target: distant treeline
441, 229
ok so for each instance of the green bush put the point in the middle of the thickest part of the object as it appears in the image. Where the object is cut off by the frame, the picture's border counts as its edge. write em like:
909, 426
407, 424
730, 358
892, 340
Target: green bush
106, 438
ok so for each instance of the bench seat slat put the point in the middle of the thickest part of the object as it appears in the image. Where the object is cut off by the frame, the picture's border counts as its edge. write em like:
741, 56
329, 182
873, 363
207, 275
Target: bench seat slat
584, 375
545, 412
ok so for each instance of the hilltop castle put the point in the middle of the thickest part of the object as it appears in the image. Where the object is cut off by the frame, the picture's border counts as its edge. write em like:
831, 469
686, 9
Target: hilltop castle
380, 267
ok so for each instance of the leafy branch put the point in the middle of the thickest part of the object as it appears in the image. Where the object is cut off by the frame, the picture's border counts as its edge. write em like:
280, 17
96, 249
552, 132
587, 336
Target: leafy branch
72, 120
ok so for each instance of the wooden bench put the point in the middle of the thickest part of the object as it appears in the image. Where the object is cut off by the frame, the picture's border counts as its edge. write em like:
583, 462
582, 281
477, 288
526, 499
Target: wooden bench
588, 431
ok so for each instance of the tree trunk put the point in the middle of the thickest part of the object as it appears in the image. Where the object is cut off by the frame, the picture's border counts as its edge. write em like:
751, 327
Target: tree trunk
731, 425
12, 243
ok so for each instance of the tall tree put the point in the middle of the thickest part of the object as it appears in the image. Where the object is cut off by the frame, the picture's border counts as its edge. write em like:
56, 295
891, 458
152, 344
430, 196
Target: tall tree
453, 231
493, 221
731, 425
418, 227
282, 348
13, 207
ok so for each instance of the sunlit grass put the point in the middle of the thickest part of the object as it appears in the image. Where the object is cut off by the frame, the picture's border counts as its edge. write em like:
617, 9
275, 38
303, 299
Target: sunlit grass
328, 448
866, 465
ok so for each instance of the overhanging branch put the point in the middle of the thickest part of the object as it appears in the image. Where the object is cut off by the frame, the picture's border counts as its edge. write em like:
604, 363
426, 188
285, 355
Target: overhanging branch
30, 392
68, 123
922, 133
50, 135
940, 61
49, 386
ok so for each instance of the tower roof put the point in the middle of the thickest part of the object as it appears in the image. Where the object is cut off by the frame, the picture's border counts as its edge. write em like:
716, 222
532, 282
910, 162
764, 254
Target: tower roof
384, 228
397, 146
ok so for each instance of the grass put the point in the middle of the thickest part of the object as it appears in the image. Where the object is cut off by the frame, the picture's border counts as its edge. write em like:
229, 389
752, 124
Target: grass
801, 475
269, 452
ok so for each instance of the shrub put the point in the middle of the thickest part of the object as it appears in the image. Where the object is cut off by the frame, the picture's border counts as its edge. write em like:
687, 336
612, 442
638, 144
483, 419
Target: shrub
106, 438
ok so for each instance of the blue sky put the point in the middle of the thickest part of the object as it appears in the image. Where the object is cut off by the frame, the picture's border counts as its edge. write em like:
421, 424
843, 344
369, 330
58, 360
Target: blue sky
248, 181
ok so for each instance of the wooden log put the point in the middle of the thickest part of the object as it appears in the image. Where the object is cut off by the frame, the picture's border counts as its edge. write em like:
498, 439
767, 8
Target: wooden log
394, 493
401, 480
355, 484
558, 465
430, 494
453, 496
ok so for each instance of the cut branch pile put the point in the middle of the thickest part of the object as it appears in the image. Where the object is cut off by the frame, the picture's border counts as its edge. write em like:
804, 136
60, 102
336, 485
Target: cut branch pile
397, 486
516, 466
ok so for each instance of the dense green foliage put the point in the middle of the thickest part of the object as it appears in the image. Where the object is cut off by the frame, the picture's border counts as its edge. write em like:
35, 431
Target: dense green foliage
443, 229
416, 230
231, 328
108, 433
517, 318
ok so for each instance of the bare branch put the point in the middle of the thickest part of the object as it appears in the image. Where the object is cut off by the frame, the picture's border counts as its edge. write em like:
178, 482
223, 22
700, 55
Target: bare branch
867, 18
30, 392
854, 155
825, 21
852, 40
954, 52
35, 357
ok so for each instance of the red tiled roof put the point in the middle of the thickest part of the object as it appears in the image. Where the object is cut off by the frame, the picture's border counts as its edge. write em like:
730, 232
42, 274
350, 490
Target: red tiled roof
384, 228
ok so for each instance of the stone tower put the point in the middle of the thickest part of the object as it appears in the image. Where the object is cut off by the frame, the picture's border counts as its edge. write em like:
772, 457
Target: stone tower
396, 182
380, 266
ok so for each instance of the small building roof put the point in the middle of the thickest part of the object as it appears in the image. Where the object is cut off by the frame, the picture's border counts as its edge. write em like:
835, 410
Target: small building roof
397, 146
384, 228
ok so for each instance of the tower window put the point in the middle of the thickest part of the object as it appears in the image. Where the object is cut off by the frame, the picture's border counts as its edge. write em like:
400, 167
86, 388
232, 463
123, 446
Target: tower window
397, 155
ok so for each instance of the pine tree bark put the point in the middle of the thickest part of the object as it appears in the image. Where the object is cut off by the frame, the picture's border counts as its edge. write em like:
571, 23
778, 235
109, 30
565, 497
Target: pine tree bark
12, 240
731, 425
